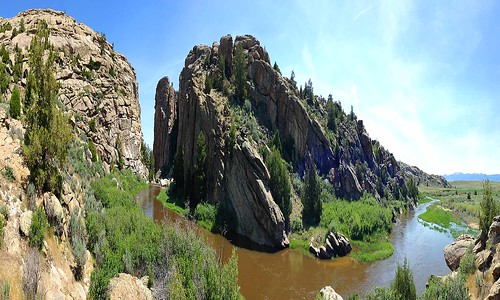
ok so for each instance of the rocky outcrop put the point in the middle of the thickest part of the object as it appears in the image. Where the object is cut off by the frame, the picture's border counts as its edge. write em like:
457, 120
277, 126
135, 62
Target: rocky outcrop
336, 245
25, 222
258, 216
422, 178
98, 87
328, 293
126, 286
165, 128
454, 252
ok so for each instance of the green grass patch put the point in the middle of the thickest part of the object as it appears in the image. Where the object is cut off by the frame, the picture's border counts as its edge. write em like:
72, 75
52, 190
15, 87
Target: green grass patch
424, 200
437, 214
171, 203
371, 251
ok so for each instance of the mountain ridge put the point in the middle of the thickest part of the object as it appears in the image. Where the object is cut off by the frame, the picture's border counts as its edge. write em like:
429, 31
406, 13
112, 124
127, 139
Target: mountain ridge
459, 176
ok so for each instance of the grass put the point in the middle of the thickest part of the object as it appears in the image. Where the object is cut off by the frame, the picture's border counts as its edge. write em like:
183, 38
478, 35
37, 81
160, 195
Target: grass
439, 215
371, 251
424, 200
171, 203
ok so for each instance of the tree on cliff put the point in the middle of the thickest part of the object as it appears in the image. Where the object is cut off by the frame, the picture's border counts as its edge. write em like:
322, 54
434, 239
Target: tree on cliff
412, 189
15, 104
200, 172
240, 74
280, 182
489, 208
48, 134
311, 201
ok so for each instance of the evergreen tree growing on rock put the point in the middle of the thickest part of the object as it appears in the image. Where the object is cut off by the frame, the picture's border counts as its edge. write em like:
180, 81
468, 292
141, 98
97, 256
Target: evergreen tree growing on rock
280, 182
489, 208
15, 104
200, 171
48, 134
240, 74
311, 201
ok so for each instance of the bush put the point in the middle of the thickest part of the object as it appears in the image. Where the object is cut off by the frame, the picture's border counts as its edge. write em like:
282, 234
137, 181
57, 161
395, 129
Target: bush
2, 230
78, 243
8, 173
452, 288
92, 125
15, 104
467, 263
204, 214
280, 182
311, 201
37, 229
93, 151
403, 285
296, 225
4, 291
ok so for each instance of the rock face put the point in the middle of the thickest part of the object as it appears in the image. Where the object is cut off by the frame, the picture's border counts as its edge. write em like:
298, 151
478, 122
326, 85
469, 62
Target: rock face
98, 85
453, 252
259, 217
165, 131
205, 104
126, 286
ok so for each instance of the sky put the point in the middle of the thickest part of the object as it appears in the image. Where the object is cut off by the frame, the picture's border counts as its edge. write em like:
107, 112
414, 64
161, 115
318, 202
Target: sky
423, 75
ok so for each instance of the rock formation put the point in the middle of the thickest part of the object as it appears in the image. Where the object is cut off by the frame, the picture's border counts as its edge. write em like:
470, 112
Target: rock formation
345, 155
487, 259
328, 293
453, 252
336, 245
99, 90
165, 130
126, 286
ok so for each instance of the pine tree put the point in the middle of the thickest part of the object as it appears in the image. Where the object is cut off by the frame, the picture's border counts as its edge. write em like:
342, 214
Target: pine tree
276, 67
489, 208
15, 104
48, 134
200, 171
240, 74
331, 115
311, 201
280, 183
119, 149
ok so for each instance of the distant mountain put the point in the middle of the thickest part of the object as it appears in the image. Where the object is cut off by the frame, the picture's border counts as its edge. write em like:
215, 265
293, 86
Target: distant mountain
472, 177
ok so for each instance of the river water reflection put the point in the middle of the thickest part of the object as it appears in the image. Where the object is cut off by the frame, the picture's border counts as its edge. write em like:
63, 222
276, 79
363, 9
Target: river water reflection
288, 274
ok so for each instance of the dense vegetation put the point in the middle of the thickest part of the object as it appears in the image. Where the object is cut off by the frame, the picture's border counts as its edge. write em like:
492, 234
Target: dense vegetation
48, 134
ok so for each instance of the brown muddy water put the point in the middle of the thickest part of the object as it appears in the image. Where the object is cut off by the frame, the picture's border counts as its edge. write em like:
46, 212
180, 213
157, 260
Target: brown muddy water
289, 274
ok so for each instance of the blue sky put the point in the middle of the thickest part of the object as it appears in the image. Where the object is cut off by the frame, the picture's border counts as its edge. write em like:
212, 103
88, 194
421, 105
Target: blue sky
423, 75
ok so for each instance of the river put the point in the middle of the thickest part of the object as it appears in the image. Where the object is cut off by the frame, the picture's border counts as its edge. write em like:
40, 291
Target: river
289, 274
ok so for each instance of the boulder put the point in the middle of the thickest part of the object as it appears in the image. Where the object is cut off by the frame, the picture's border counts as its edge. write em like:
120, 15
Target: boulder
494, 231
328, 293
25, 222
323, 253
329, 248
313, 250
453, 252
340, 244
483, 259
126, 286
494, 291
53, 207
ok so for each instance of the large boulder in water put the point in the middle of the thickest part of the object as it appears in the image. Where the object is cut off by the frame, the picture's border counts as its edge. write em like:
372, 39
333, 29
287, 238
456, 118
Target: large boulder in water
328, 293
454, 252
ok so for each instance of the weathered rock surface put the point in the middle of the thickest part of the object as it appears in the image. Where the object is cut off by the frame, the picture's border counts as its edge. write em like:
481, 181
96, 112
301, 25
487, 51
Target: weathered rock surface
328, 293
259, 217
97, 83
165, 128
336, 245
453, 252
25, 222
126, 286
483, 259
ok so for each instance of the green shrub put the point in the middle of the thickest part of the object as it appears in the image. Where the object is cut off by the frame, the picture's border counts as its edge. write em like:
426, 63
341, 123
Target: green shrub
452, 288
37, 229
204, 214
312, 210
78, 243
467, 263
2, 230
112, 72
92, 125
403, 285
296, 225
382, 293
4, 291
280, 182
93, 151
15, 104
8, 173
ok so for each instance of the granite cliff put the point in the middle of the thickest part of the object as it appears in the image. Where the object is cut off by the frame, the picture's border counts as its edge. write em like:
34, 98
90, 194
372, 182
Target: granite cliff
310, 128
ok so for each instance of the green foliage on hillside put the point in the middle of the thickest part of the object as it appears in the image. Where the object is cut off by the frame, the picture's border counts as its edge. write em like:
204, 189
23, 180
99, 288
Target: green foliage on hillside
119, 150
489, 208
37, 228
364, 220
15, 104
200, 172
240, 74
312, 205
148, 160
48, 134
279, 182
122, 239
205, 214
